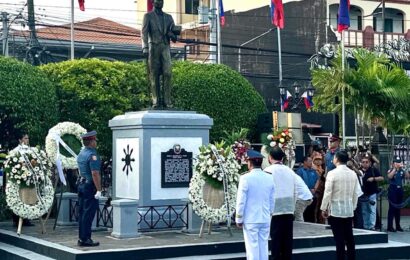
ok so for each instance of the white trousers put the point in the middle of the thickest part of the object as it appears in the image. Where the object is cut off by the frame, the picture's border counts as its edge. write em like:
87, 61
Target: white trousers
256, 241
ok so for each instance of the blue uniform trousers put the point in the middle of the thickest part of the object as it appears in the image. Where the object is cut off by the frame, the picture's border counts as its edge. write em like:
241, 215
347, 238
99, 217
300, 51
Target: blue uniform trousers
87, 209
396, 197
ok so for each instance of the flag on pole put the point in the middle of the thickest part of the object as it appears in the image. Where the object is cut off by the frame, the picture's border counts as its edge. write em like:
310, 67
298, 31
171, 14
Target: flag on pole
81, 3
221, 13
150, 5
308, 100
277, 14
284, 102
343, 20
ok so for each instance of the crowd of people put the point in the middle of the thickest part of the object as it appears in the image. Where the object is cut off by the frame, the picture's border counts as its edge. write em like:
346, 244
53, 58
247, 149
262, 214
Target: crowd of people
333, 186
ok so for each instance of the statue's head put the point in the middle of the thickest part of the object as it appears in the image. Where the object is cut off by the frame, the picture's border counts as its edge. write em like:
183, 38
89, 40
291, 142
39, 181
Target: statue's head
158, 4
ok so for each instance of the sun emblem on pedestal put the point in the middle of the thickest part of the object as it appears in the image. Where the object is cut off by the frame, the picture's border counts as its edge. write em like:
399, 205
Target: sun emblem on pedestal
127, 160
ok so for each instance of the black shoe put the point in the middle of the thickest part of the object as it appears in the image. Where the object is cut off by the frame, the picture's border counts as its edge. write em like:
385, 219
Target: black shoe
399, 229
88, 243
391, 230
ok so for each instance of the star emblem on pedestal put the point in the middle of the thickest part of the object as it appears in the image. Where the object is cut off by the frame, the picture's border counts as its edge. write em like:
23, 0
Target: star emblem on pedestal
127, 160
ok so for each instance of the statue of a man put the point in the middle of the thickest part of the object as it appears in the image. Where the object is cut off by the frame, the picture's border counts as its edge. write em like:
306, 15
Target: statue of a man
157, 30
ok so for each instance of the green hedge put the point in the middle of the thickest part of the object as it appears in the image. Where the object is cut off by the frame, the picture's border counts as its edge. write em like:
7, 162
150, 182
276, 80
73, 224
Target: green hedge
220, 92
28, 102
92, 91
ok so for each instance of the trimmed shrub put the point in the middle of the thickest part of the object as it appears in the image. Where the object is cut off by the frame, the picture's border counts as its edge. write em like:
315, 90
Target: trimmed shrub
28, 102
92, 91
219, 92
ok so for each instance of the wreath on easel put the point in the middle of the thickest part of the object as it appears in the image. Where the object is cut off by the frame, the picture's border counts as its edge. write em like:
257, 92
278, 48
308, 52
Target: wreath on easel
207, 179
29, 191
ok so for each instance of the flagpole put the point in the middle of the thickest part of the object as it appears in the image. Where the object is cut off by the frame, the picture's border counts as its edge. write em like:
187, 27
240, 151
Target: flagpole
72, 30
343, 91
280, 56
218, 28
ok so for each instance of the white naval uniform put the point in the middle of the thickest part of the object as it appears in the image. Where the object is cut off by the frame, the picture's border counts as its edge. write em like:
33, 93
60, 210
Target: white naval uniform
254, 206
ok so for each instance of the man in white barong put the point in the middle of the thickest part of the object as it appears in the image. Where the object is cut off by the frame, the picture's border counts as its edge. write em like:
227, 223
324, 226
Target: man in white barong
254, 207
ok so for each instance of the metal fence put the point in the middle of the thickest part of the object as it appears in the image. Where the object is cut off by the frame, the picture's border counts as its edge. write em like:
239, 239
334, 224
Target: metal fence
150, 218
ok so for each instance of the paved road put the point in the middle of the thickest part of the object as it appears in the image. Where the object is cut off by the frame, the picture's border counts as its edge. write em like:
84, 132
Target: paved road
403, 237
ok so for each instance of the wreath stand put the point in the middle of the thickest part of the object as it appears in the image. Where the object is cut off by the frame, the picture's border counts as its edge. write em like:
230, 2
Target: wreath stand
213, 202
29, 196
214, 198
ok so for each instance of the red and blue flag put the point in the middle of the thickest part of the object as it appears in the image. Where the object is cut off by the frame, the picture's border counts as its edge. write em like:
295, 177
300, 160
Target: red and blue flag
343, 20
307, 100
277, 14
221, 13
150, 5
81, 3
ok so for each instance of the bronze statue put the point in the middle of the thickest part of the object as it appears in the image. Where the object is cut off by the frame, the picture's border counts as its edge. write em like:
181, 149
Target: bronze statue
157, 30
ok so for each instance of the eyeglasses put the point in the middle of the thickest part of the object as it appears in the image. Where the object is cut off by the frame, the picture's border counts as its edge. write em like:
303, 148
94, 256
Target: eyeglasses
365, 162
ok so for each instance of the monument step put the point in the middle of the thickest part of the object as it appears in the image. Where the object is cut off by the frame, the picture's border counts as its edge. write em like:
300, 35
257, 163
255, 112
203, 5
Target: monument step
10, 252
389, 250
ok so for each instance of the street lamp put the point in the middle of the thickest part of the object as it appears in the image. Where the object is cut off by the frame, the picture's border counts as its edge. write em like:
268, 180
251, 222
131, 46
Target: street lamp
295, 98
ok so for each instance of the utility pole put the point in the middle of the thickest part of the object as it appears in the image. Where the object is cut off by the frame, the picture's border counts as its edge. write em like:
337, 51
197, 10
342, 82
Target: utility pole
32, 24
384, 23
214, 31
5, 34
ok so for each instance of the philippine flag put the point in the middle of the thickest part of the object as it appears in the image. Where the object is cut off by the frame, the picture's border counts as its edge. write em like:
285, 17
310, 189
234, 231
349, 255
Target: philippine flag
81, 3
277, 14
343, 20
221, 13
284, 103
150, 5
308, 100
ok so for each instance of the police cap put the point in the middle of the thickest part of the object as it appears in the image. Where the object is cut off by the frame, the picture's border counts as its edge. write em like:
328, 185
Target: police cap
397, 159
92, 135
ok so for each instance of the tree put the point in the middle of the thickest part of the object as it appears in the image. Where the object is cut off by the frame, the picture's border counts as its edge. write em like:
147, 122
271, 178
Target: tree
28, 102
375, 87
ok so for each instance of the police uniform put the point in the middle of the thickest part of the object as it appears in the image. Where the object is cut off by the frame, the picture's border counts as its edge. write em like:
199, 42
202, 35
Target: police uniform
331, 153
88, 160
395, 195
255, 202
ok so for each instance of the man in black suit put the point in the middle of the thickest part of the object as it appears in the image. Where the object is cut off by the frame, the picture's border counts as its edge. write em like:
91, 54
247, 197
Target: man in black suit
157, 30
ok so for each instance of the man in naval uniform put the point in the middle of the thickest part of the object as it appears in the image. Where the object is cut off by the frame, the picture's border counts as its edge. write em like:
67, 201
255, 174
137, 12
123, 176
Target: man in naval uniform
255, 203
89, 187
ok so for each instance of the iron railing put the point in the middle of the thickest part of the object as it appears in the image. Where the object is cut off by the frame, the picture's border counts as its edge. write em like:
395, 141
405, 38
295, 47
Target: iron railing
150, 218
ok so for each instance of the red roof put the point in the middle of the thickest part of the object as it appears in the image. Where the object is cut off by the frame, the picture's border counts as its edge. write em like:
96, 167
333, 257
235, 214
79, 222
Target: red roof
97, 30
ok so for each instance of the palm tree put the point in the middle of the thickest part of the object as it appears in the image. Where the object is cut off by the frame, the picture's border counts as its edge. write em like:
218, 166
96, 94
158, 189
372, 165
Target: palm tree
375, 88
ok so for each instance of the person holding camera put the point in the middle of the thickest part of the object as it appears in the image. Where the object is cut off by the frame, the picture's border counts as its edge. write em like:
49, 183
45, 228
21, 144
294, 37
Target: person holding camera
396, 177
371, 176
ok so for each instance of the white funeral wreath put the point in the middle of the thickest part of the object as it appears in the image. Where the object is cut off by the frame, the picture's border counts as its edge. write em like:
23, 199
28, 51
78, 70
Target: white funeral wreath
30, 211
51, 145
205, 164
29, 169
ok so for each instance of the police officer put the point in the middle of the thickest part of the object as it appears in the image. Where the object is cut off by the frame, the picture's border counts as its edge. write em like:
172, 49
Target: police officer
396, 178
334, 146
89, 187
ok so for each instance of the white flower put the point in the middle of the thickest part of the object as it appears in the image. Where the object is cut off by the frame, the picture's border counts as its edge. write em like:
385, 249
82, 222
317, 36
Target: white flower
272, 144
14, 170
269, 137
15, 159
210, 162
17, 166
280, 145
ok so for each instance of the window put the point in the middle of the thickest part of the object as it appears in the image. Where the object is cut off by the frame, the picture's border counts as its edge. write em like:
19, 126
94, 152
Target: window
374, 23
388, 25
359, 23
191, 6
